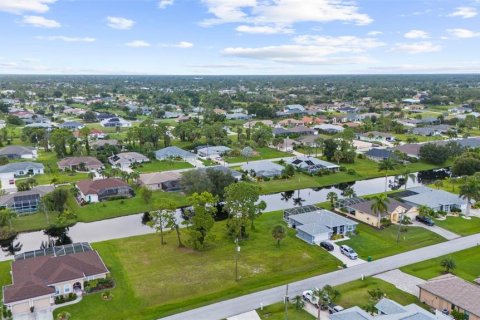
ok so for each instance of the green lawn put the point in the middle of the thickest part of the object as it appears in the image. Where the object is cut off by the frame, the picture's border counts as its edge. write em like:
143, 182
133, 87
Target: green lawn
466, 261
382, 243
364, 168
49, 160
157, 166
460, 225
277, 312
116, 208
264, 153
154, 280
355, 293
5, 277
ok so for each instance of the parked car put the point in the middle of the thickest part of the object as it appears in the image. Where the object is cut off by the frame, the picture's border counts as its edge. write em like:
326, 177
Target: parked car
333, 308
326, 245
349, 252
425, 220
310, 297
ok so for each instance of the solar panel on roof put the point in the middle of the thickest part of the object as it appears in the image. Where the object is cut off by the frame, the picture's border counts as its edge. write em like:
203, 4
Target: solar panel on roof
309, 162
297, 161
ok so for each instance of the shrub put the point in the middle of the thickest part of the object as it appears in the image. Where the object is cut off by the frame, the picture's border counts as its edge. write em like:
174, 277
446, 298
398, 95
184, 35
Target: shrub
351, 172
361, 156
343, 168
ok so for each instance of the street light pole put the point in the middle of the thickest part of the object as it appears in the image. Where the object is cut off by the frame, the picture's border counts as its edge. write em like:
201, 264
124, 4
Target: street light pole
286, 303
400, 226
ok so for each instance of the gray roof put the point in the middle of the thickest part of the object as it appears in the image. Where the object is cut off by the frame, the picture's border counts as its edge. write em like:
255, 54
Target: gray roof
433, 198
329, 127
264, 168
305, 162
323, 217
388, 306
354, 313
173, 152
18, 150
9, 199
313, 228
214, 149
19, 166
234, 173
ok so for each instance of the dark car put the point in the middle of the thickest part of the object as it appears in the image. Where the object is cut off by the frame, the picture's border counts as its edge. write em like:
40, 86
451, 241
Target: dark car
425, 220
326, 245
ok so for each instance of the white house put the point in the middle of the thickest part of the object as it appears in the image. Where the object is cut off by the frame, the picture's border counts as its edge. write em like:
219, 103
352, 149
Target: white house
10, 171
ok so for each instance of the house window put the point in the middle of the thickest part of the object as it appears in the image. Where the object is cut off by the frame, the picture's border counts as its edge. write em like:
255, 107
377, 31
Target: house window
57, 291
67, 288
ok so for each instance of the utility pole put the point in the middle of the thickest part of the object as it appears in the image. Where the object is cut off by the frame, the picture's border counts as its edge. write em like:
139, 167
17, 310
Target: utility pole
400, 226
286, 303
237, 250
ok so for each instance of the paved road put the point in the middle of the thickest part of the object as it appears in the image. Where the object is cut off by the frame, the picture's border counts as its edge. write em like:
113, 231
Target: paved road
252, 301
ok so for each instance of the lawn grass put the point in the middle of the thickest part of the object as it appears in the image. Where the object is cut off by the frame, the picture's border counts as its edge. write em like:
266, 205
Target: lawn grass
467, 266
33, 222
355, 293
49, 160
166, 165
123, 207
460, 225
154, 280
5, 277
382, 243
277, 312
264, 153
364, 169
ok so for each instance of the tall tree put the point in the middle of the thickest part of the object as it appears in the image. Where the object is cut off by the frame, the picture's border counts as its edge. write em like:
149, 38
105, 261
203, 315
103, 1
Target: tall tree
469, 190
160, 218
278, 233
380, 206
202, 221
386, 165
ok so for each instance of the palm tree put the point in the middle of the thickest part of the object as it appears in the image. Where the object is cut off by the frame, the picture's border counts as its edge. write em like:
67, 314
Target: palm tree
386, 165
349, 192
91, 175
278, 233
298, 302
453, 181
332, 197
379, 206
134, 175
438, 184
6, 217
318, 145
325, 296
470, 190
408, 175
448, 264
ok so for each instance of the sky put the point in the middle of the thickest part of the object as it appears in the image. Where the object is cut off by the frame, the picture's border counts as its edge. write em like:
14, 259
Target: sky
195, 37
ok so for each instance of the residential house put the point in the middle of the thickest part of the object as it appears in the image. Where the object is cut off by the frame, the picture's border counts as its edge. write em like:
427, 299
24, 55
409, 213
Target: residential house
328, 128
263, 169
25, 202
287, 145
173, 152
449, 292
19, 152
312, 164
412, 150
71, 125
39, 276
234, 173
298, 130
91, 191
99, 144
375, 136
438, 200
253, 123
315, 225
238, 116
80, 164
361, 210
387, 309
166, 181
212, 151
377, 154
94, 134
115, 122
124, 160
219, 111
432, 130
290, 122
43, 125
10, 171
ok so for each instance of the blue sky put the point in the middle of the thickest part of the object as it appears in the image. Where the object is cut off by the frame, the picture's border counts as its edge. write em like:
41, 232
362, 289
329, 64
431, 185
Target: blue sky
239, 36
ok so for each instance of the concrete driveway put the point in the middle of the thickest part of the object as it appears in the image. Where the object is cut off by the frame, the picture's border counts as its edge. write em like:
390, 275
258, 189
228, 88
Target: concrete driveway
39, 315
346, 260
402, 281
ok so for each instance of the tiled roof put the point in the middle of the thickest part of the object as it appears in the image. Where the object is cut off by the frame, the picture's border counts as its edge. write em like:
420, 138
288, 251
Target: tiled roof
95, 186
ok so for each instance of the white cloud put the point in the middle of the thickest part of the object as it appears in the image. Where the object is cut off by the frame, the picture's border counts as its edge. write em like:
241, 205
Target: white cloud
66, 39
374, 33
19, 6
120, 23
162, 4
263, 29
309, 49
181, 44
417, 47
463, 33
464, 12
416, 34
138, 44
41, 22
282, 13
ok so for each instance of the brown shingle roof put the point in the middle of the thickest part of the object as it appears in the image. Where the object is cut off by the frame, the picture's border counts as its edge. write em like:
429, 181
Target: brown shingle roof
33, 277
159, 177
75, 161
456, 291
94, 186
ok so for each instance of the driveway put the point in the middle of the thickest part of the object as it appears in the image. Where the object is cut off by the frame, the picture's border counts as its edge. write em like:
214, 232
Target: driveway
346, 260
250, 315
449, 235
402, 281
39, 315
227, 308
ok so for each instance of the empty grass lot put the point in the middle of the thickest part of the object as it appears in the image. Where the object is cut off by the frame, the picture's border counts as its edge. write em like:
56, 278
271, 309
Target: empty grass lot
157, 166
467, 268
460, 225
264, 153
355, 293
154, 280
382, 243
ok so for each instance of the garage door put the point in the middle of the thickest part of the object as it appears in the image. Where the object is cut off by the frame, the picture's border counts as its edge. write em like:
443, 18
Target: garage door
20, 308
41, 304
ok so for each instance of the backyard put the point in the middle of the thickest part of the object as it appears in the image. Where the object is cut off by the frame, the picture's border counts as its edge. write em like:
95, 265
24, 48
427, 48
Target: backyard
264, 153
157, 166
467, 266
382, 243
189, 278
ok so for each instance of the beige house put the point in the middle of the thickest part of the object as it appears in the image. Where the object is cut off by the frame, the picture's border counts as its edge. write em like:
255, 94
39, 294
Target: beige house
39, 276
449, 292
361, 210
165, 181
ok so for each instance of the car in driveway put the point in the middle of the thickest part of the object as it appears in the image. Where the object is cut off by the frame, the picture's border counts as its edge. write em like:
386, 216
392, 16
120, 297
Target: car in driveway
425, 220
308, 295
333, 308
349, 252
327, 245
